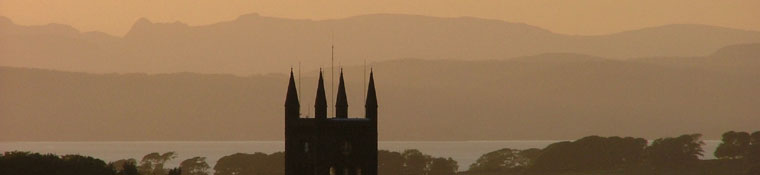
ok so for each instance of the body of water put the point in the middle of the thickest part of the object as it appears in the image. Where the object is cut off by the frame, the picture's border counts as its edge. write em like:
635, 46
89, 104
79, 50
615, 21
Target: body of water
464, 152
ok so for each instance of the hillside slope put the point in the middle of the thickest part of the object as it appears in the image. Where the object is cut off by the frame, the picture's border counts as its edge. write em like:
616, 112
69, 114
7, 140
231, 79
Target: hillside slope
550, 96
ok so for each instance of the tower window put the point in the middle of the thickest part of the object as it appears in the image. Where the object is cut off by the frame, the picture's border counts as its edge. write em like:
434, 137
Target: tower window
306, 147
346, 147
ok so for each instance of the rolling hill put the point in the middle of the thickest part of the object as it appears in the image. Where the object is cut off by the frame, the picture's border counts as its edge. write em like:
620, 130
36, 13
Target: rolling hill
545, 96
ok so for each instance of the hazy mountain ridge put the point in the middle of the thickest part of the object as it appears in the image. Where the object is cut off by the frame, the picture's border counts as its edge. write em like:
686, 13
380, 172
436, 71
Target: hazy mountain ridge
549, 96
258, 44
742, 59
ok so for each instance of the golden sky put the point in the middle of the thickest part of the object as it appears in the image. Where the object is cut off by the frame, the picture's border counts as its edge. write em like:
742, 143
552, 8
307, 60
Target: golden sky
562, 16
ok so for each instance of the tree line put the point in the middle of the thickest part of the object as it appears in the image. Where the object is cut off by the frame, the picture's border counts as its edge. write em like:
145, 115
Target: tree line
738, 153
26, 163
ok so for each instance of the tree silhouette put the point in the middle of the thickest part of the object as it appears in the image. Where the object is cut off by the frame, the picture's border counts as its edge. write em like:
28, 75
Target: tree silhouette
153, 163
274, 164
590, 153
22, 163
531, 154
194, 166
124, 166
415, 163
389, 163
753, 151
175, 171
501, 160
250, 164
129, 169
675, 152
734, 146
443, 166
755, 138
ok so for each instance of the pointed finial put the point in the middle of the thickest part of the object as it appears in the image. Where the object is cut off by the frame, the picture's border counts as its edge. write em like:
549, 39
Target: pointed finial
341, 105
370, 105
292, 95
320, 104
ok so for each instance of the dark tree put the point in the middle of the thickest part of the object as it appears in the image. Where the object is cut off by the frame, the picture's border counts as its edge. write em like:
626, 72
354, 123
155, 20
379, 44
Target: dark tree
415, 163
753, 151
755, 138
531, 154
734, 146
22, 163
153, 163
175, 171
499, 161
194, 166
129, 168
590, 153
675, 152
251, 164
627, 150
443, 166
555, 157
274, 164
77, 164
239, 164
389, 163
125, 167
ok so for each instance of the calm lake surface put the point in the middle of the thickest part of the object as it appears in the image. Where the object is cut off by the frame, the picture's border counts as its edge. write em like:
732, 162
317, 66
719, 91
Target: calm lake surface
464, 152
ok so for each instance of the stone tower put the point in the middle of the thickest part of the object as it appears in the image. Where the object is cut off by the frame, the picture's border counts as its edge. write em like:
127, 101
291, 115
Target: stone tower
330, 145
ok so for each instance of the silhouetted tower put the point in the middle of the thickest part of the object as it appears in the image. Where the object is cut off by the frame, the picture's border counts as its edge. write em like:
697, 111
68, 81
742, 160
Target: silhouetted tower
338, 145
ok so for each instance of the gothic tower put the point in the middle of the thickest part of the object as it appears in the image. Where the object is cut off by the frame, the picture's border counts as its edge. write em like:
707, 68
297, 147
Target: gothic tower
330, 145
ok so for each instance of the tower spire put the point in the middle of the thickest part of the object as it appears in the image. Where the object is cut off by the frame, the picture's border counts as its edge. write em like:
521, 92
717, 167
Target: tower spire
292, 106
320, 105
292, 96
371, 104
341, 105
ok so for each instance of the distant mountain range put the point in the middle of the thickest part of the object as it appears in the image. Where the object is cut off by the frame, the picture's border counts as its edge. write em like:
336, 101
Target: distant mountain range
545, 96
254, 44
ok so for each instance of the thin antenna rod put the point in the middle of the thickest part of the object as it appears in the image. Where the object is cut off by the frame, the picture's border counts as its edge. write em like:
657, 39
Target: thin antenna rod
299, 87
364, 81
332, 70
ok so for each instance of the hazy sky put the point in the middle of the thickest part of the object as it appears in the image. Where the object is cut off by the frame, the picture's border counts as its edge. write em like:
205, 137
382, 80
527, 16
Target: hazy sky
561, 16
